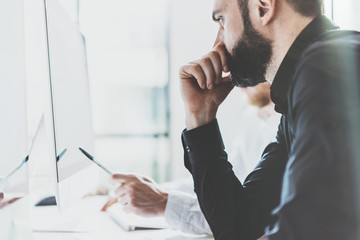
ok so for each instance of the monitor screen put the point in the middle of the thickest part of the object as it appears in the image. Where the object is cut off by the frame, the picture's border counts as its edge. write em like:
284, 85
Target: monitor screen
69, 110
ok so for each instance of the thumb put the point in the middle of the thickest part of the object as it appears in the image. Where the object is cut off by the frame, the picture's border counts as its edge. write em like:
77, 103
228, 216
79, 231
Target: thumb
225, 87
222, 90
119, 178
109, 203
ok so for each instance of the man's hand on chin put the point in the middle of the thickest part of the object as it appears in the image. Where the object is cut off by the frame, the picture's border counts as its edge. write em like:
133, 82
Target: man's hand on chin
204, 88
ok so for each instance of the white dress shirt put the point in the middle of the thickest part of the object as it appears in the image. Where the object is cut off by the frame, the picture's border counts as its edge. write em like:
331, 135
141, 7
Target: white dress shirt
182, 209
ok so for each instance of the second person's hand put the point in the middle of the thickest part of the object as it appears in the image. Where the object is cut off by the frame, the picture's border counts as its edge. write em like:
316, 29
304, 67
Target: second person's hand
139, 195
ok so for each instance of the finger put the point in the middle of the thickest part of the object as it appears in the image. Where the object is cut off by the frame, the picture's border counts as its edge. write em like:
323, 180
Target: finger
6, 203
217, 65
120, 178
122, 190
13, 200
209, 71
109, 203
1, 196
145, 179
221, 50
226, 88
193, 70
124, 199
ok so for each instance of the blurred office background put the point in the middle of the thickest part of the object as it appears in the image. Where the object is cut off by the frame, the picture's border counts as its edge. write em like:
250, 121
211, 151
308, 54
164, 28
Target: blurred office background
134, 49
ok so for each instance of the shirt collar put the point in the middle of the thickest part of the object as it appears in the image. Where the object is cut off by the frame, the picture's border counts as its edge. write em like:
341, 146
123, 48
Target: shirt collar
280, 85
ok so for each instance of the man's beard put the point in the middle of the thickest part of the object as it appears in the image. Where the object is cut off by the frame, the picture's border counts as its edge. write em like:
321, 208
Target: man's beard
250, 58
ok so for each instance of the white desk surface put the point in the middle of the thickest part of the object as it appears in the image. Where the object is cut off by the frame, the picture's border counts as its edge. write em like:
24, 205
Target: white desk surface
84, 221
136, 235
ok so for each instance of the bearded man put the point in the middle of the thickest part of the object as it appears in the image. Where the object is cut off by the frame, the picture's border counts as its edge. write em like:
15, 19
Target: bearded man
306, 185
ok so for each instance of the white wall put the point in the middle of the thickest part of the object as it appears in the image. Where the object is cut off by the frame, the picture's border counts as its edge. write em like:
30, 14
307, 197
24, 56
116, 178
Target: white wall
71, 6
13, 146
346, 14
192, 34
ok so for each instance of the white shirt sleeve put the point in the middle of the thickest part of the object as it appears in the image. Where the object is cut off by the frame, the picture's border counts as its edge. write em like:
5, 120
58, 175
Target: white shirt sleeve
183, 212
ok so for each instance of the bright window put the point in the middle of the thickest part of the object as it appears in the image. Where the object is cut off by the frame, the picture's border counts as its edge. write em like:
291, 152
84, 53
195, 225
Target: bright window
127, 47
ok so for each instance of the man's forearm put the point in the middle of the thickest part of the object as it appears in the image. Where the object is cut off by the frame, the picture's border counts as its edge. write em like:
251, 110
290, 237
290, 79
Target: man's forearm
232, 210
215, 183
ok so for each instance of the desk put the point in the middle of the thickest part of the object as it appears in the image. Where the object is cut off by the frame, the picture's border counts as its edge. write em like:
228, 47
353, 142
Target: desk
86, 222
140, 235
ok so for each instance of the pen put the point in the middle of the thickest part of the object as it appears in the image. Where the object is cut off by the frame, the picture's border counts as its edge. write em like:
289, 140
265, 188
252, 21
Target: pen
61, 154
89, 156
18, 167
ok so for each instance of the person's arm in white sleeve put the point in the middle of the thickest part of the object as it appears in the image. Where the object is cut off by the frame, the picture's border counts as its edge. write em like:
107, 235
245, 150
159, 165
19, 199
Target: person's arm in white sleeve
142, 196
183, 213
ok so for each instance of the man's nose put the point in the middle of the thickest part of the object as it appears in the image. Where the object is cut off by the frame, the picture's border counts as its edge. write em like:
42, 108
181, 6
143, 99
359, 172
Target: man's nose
218, 40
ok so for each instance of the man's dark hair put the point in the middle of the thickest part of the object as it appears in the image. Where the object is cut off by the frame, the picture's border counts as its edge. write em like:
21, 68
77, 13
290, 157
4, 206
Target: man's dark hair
308, 8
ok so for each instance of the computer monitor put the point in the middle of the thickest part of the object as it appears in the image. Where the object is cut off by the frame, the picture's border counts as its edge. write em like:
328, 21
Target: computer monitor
68, 113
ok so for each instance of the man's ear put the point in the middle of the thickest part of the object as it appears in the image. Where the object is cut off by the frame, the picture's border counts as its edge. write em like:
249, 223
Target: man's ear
265, 10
